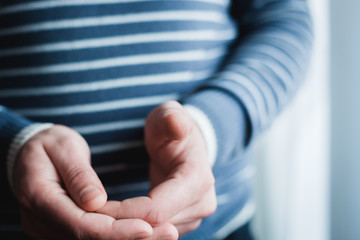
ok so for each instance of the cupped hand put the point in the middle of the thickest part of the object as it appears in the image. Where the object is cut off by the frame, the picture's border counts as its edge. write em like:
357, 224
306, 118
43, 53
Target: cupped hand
182, 184
58, 191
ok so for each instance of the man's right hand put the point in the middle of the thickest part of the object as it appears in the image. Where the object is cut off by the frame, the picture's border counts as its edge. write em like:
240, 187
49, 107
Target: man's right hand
58, 192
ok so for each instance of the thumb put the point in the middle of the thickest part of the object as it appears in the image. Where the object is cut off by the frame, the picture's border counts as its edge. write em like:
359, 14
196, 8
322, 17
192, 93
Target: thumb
85, 187
71, 157
168, 121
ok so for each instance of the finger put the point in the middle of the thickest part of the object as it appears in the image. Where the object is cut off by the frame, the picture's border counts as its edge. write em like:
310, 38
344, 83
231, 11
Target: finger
130, 208
168, 121
139, 208
199, 210
53, 207
185, 221
70, 155
188, 227
164, 231
114, 229
73, 221
155, 211
124, 229
177, 175
178, 193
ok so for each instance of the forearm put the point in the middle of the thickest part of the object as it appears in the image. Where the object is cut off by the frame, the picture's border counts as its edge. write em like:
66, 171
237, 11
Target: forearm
266, 67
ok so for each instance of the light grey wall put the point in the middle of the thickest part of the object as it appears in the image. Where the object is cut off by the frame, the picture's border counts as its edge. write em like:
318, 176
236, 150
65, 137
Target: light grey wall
292, 157
345, 96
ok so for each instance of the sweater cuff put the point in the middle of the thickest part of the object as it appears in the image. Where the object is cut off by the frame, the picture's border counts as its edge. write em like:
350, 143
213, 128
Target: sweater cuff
207, 130
228, 119
19, 140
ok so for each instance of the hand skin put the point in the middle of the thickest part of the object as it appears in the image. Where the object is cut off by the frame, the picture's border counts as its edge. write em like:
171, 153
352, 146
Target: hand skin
182, 184
58, 191
53, 170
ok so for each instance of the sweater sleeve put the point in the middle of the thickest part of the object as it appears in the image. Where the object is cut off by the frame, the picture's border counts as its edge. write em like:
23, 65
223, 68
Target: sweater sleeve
10, 125
265, 68
14, 132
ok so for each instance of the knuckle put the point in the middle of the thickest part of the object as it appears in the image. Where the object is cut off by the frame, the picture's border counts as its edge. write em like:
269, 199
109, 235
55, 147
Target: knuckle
66, 142
155, 217
77, 176
32, 146
67, 138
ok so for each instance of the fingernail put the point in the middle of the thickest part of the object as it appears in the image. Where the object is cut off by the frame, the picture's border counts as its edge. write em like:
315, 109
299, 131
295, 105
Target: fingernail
89, 193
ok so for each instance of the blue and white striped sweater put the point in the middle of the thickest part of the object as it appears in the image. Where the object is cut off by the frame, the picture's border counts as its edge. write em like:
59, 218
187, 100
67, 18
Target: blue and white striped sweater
101, 66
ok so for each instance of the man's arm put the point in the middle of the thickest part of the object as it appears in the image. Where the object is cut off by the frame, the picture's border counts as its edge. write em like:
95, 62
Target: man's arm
264, 70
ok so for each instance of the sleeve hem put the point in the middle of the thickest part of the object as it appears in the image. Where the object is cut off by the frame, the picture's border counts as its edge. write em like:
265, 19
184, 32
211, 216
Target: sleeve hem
206, 129
19, 140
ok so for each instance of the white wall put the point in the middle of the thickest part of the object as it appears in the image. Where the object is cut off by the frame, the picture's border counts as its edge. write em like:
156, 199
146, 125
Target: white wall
345, 94
293, 156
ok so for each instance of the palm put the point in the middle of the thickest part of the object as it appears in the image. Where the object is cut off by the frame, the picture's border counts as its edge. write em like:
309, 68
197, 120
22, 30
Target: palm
182, 184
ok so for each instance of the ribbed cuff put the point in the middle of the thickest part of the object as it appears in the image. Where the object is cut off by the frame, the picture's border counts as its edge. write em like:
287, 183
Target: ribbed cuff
206, 129
227, 118
20, 139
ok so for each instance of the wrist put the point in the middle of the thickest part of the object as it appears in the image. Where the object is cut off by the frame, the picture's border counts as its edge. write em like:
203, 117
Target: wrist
206, 129
18, 142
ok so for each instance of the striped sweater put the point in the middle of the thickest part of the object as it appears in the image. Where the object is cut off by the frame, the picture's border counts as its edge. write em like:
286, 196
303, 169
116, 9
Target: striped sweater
100, 66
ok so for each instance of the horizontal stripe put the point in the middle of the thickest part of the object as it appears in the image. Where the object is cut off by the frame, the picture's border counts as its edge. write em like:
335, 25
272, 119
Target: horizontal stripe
240, 177
65, 3
97, 107
112, 147
183, 56
117, 167
279, 74
200, 35
106, 84
273, 75
112, 126
265, 88
254, 91
207, 16
245, 174
244, 216
276, 56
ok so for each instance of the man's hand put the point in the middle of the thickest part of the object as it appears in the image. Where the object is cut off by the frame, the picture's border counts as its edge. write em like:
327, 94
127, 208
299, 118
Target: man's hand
182, 184
57, 190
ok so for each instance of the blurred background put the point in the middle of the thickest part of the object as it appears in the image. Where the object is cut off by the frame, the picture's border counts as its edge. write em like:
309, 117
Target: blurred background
308, 163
